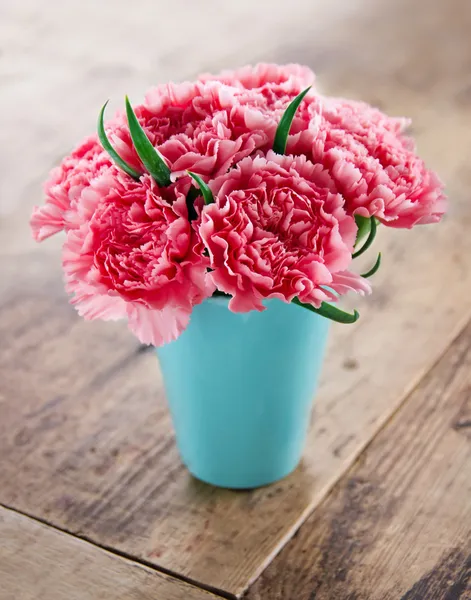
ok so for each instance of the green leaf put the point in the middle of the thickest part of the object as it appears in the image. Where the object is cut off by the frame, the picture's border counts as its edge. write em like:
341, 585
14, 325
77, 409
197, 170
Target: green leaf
105, 142
282, 131
374, 268
330, 312
193, 193
369, 239
364, 226
207, 193
151, 159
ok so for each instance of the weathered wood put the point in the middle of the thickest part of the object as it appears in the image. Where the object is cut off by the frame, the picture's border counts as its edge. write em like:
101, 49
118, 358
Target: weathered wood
399, 523
37, 562
85, 438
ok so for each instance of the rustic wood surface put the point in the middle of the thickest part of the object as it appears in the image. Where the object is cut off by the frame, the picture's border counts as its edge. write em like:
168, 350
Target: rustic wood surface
399, 523
38, 563
85, 438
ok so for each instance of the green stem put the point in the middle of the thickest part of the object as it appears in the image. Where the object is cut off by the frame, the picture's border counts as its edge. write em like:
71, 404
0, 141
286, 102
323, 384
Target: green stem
193, 193
219, 294
374, 268
364, 227
330, 312
369, 239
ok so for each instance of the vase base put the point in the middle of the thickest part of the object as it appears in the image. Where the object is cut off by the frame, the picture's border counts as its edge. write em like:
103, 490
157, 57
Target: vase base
241, 484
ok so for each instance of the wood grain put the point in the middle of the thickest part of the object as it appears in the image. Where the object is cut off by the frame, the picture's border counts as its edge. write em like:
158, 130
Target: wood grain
37, 562
398, 526
85, 437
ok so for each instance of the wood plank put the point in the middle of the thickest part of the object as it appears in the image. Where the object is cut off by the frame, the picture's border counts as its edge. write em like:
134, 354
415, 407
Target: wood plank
399, 523
86, 443
85, 437
38, 562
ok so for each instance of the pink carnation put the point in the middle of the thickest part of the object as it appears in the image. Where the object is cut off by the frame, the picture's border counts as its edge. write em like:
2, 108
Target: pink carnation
64, 187
363, 121
264, 75
374, 166
137, 256
271, 85
281, 226
196, 126
277, 231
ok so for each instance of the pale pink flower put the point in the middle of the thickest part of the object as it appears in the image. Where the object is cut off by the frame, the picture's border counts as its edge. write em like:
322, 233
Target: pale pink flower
255, 77
277, 231
137, 256
363, 121
64, 187
270, 84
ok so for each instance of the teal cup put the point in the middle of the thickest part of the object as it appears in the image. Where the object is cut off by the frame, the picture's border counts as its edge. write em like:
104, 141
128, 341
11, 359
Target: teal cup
240, 390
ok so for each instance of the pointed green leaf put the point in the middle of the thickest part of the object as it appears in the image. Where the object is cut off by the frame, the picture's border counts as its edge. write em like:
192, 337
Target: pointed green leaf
369, 239
105, 142
207, 193
374, 268
282, 131
151, 159
330, 312
364, 226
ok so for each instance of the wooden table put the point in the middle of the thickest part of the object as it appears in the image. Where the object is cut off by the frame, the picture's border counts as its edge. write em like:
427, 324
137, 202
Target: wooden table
94, 501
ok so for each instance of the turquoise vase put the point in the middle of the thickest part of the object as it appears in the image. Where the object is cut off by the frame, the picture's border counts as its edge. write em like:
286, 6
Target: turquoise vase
240, 389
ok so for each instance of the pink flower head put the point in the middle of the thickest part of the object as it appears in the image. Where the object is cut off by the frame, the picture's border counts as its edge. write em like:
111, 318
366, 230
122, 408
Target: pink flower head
64, 187
277, 231
198, 126
411, 193
138, 257
374, 166
269, 84
280, 227
195, 126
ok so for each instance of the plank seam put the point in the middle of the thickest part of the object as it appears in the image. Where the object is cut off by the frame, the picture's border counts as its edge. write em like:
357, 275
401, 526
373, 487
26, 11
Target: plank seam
328, 489
317, 499
124, 555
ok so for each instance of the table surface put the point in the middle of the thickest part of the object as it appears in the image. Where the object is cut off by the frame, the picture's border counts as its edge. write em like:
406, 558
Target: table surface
94, 500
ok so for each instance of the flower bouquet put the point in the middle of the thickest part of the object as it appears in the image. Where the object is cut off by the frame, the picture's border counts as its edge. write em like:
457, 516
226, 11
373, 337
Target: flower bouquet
220, 218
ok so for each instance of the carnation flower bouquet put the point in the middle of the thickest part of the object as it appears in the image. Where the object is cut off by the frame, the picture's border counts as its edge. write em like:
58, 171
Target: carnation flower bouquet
226, 214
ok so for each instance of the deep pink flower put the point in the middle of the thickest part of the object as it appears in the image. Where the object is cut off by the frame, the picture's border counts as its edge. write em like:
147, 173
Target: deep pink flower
268, 89
195, 126
137, 256
374, 165
205, 127
411, 193
277, 231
